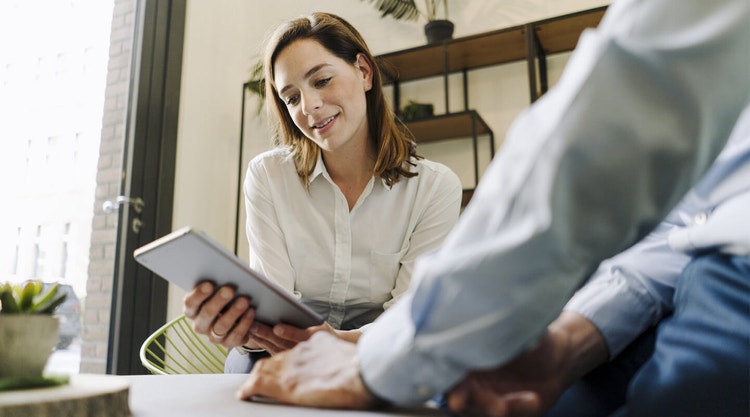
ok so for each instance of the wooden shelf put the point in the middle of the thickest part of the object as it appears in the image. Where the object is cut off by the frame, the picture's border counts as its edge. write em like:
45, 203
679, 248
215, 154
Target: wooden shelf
558, 34
448, 126
512, 44
561, 34
471, 52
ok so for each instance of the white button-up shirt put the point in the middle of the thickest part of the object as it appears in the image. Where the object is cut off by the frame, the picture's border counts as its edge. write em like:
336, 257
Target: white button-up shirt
346, 265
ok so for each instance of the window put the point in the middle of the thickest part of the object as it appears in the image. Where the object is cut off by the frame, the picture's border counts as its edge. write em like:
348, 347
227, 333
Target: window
16, 252
38, 255
53, 69
64, 252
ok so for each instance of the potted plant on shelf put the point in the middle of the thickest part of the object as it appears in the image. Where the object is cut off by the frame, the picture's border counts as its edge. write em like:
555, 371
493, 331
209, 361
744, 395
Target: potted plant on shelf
437, 29
28, 330
415, 111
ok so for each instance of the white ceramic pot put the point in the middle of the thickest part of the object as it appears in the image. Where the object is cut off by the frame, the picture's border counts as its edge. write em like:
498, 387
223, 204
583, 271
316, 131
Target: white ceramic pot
26, 342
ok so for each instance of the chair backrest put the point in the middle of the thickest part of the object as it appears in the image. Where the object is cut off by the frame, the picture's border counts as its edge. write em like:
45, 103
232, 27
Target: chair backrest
176, 349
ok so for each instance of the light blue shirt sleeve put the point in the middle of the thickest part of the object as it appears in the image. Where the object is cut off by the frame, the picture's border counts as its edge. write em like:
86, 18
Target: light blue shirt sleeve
633, 290
635, 120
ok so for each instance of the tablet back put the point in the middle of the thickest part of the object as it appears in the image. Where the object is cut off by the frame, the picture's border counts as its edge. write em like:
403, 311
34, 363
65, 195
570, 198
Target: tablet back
187, 256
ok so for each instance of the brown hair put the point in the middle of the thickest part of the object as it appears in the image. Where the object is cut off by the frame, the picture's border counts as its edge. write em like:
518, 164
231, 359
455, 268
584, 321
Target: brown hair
392, 141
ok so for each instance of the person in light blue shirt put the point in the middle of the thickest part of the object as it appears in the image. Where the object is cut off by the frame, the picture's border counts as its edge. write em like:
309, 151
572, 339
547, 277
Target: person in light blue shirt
634, 290
635, 121
669, 279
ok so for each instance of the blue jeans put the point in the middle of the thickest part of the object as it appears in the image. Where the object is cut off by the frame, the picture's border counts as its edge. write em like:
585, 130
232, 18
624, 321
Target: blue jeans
700, 364
237, 363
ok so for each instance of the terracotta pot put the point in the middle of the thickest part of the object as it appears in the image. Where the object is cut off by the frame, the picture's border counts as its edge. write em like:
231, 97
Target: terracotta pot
26, 342
438, 30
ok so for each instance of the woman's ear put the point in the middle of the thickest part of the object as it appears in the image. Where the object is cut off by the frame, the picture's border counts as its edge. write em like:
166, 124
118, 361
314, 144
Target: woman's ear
365, 67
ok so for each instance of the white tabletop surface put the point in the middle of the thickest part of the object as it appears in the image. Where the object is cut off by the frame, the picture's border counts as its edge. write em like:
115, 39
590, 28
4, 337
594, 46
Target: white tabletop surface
215, 395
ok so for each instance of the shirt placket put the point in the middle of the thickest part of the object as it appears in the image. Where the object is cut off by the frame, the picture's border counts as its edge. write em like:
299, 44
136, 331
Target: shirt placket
341, 262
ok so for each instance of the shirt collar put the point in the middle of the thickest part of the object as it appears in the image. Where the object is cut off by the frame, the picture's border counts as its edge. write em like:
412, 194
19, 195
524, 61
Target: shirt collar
320, 169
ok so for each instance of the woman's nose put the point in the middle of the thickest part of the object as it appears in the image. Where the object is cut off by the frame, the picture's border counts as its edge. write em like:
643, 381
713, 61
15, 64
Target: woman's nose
311, 102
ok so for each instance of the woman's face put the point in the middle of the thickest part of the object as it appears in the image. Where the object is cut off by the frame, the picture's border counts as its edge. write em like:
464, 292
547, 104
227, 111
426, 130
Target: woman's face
324, 95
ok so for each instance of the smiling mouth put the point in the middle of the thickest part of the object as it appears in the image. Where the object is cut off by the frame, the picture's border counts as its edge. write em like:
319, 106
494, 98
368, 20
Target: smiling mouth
324, 123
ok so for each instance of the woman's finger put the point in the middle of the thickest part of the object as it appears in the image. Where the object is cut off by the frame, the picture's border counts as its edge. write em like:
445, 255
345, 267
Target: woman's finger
291, 333
224, 326
274, 344
191, 303
211, 309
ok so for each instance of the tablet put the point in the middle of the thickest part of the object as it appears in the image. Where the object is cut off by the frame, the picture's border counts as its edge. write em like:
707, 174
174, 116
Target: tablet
188, 256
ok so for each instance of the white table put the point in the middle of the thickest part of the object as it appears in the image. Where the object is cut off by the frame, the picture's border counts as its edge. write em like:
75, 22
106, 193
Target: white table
215, 395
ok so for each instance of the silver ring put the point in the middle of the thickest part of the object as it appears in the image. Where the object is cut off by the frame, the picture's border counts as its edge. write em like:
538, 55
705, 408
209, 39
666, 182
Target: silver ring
217, 336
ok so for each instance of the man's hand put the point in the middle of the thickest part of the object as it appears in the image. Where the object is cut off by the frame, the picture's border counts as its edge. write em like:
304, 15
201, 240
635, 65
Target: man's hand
321, 372
526, 386
531, 383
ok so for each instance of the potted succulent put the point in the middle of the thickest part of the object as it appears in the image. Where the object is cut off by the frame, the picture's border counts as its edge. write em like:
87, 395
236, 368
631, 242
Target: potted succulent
28, 330
437, 29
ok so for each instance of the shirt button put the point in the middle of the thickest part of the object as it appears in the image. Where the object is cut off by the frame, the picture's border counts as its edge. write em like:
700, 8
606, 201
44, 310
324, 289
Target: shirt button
424, 391
700, 218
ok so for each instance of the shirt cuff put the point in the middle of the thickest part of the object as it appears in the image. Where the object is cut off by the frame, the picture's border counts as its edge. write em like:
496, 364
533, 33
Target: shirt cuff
393, 369
620, 312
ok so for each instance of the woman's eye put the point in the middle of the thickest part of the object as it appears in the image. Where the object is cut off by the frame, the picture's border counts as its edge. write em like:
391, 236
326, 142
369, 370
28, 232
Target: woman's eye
324, 82
290, 101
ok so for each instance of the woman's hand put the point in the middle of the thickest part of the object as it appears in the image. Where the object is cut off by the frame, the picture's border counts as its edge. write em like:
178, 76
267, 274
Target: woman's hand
283, 336
230, 321
218, 314
264, 337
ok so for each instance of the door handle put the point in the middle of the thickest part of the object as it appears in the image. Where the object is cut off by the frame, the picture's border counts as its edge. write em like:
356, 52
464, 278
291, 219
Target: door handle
137, 203
110, 206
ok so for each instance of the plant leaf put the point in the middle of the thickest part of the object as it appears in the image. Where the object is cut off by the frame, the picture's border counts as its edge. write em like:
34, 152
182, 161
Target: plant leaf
30, 290
8, 299
257, 84
397, 9
45, 299
50, 305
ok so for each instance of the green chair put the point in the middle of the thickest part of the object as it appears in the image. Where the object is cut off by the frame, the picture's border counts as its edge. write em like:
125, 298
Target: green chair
176, 349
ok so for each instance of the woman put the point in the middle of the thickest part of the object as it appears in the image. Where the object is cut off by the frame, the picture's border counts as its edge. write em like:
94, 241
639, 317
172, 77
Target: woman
339, 211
